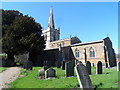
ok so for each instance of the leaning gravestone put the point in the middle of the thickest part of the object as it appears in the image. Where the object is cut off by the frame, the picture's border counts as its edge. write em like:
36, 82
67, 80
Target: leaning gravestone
99, 68
28, 65
50, 73
118, 66
83, 77
63, 65
88, 66
77, 61
69, 67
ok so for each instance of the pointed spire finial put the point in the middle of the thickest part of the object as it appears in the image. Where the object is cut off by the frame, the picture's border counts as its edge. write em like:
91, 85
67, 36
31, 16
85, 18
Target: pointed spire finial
51, 19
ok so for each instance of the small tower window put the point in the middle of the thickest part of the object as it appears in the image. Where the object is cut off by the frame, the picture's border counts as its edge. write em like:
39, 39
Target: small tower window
92, 52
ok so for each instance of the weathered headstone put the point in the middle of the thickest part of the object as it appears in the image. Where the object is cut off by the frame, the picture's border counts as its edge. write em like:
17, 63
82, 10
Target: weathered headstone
69, 67
50, 73
88, 66
118, 66
58, 64
83, 76
63, 65
28, 65
99, 68
75, 61
41, 72
106, 65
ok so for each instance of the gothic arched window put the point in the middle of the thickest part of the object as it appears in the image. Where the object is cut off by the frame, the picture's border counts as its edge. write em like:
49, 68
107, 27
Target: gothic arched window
77, 53
92, 52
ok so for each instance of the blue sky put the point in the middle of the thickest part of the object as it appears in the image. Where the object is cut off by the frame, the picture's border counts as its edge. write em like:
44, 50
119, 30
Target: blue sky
90, 21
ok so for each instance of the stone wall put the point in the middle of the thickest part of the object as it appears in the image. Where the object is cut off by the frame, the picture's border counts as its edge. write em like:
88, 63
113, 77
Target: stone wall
56, 44
98, 48
103, 52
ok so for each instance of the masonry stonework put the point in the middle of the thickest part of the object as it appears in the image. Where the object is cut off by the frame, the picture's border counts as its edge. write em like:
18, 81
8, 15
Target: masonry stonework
72, 48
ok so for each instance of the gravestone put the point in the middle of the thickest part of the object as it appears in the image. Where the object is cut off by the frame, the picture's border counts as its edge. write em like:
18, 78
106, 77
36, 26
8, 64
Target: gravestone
63, 65
106, 65
77, 61
41, 72
99, 68
58, 64
118, 66
88, 66
69, 67
83, 77
28, 65
50, 73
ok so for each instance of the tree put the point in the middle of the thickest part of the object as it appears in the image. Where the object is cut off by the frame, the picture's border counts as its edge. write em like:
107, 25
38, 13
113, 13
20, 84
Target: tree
21, 35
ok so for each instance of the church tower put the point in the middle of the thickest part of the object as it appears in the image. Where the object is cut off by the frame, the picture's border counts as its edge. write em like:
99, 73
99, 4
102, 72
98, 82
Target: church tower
50, 33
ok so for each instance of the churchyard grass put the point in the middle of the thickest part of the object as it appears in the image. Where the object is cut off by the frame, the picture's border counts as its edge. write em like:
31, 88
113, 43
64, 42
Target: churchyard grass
2, 69
3, 54
108, 79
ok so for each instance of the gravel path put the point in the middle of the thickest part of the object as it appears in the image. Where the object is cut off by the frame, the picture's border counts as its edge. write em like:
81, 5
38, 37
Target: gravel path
8, 76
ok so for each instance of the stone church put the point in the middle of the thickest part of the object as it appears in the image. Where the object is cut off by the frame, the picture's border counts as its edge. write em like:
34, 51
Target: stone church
71, 49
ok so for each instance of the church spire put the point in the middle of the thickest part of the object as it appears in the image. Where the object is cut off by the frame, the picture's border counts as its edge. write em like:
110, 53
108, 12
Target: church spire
51, 19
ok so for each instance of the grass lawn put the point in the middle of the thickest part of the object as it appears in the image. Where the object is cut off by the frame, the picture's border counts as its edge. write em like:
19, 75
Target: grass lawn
2, 69
108, 79
3, 54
